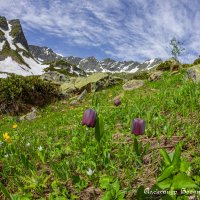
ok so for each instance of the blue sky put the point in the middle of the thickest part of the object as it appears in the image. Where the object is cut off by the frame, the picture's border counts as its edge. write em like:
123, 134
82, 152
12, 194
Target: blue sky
119, 29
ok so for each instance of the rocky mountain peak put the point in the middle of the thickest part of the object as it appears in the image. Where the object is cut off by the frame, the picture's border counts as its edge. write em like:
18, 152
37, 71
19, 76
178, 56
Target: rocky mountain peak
15, 56
17, 33
44, 53
3, 23
91, 64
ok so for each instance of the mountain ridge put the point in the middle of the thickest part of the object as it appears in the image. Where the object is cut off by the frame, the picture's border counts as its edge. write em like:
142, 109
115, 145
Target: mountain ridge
91, 64
18, 57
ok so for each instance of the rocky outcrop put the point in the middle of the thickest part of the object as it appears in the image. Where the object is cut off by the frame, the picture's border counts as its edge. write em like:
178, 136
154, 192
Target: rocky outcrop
133, 84
44, 53
63, 67
95, 82
193, 73
67, 88
155, 76
55, 77
17, 33
73, 60
169, 65
92, 83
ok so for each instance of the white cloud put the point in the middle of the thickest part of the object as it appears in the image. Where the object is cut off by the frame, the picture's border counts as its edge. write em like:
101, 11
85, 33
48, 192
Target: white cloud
131, 29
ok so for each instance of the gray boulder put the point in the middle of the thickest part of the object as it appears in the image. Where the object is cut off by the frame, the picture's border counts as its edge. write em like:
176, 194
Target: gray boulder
29, 116
82, 95
92, 83
67, 88
55, 77
133, 84
155, 76
193, 73
95, 82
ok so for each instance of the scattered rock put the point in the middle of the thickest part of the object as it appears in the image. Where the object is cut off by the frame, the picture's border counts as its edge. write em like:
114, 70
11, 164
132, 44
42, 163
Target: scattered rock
92, 83
74, 102
82, 95
73, 79
174, 72
29, 116
155, 76
193, 73
66, 88
55, 77
133, 84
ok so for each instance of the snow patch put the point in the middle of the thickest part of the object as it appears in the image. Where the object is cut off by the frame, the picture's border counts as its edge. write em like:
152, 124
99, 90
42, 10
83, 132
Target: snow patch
58, 54
40, 59
134, 70
8, 37
10, 66
150, 63
1, 45
46, 51
73, 71
35, 68
21, 46
84, 60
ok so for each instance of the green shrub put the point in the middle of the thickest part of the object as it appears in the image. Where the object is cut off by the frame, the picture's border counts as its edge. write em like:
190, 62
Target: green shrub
140, 75
169, 65
197, 61
165, 66
19, 94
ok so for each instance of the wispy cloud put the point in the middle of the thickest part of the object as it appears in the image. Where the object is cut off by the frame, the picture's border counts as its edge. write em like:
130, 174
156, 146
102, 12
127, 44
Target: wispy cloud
131, 29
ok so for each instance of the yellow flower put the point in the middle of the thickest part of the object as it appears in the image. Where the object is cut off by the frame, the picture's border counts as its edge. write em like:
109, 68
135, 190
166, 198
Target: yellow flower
7, 138
14, 126
110, 95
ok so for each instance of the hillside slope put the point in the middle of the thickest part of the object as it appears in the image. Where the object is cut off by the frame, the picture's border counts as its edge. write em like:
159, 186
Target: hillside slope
55, 156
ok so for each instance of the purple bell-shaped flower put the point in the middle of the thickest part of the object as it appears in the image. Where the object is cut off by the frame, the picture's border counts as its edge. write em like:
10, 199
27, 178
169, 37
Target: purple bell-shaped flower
117, 102
138, 127
89, 118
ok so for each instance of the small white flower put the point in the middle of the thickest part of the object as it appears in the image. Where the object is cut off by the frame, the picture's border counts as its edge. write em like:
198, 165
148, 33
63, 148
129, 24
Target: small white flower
108, 155
165, 128
90, 172
6, 155
40, 148
1, 143
28, 144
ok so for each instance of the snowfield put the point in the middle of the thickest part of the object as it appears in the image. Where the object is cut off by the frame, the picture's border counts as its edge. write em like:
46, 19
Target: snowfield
11, 66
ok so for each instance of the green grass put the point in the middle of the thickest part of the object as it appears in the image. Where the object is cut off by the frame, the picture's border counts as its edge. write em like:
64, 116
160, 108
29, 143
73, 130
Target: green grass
170, 108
